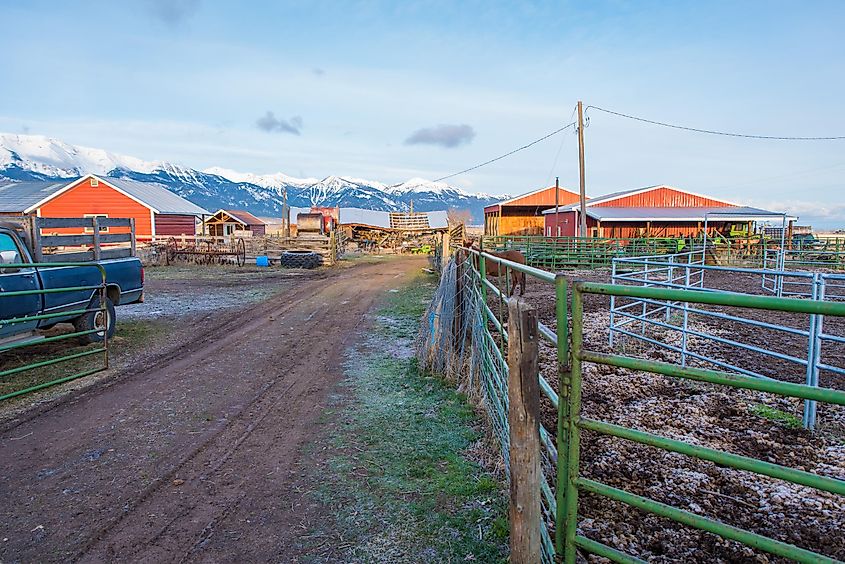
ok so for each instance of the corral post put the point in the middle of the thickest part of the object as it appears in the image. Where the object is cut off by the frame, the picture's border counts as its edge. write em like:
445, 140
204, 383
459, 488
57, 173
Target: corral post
572, 397
95, 222
523, 418
35, 233
132, 242
458, 323
444, 250
562, 330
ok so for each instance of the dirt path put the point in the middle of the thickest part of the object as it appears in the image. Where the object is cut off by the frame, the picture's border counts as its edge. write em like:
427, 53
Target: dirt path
191, 457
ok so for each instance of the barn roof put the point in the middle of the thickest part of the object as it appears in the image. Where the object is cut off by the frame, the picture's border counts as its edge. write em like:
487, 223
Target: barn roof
539, 197
26, 197
591, 202
17, 197
156, 196
241, 216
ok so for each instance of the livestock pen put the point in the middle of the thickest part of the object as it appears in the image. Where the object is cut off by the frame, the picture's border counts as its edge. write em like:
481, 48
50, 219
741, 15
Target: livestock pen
633, 439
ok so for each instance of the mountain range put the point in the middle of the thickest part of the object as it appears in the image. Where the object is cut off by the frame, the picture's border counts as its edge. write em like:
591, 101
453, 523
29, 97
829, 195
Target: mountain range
35, 157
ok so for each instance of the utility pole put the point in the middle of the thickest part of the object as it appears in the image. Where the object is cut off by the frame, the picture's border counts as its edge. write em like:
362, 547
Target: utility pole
557, 204
286, 213
583, 211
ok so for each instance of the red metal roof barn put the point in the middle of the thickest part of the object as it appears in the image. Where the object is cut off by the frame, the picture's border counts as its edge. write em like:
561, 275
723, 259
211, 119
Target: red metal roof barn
655, 211
156, 210
522, 215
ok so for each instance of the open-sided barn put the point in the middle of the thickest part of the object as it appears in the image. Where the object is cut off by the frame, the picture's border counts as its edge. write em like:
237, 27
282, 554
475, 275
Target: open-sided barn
156, 210
522, 215
223, 223
655, 211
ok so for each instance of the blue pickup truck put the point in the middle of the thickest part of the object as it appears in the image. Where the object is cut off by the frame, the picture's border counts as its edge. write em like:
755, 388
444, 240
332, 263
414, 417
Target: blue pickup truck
20, 245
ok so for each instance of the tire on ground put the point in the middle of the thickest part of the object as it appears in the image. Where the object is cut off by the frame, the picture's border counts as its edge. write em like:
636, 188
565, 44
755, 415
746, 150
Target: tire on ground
301, 259
94, 320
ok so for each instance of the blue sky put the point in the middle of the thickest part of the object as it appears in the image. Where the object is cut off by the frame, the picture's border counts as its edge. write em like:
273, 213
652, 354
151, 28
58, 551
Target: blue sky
348, 83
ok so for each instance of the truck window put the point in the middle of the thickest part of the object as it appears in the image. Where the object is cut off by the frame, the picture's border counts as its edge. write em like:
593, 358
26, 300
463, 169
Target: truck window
7, 243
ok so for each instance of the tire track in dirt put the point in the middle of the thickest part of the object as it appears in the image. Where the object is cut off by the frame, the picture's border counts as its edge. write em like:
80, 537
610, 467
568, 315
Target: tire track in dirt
227, 416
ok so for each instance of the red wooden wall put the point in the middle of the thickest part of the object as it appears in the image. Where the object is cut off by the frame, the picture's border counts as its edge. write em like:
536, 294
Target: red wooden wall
101, 199
169, 224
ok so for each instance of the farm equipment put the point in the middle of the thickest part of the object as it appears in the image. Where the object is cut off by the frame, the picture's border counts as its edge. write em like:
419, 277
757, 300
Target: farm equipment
209, 251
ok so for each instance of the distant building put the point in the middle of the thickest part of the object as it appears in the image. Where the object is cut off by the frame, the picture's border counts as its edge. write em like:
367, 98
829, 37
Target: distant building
655, 211
224, 223
522, 215
156, 210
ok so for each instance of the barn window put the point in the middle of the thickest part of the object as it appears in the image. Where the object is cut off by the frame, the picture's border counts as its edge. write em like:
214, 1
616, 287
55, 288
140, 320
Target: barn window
103, 229
95, 182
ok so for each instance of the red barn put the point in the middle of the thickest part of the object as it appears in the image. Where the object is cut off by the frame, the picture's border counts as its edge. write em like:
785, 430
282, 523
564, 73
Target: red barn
157, 211
522, 215
655, 211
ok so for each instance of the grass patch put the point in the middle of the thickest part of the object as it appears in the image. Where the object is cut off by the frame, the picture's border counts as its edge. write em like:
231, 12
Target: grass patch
129, 337
773, 414
400, 487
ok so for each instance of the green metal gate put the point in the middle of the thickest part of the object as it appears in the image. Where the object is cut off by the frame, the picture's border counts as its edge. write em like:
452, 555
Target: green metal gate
100, 349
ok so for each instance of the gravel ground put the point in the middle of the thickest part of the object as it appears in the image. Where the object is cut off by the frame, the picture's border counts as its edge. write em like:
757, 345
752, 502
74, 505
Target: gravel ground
178, 291
707, 415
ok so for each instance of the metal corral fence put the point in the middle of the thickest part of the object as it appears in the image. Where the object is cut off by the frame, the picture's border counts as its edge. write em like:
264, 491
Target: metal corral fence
84, 293
577, 422
575, 253
463, 337
675, 326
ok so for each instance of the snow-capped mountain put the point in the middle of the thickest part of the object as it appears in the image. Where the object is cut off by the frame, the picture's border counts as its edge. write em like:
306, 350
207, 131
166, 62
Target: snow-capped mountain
35, 157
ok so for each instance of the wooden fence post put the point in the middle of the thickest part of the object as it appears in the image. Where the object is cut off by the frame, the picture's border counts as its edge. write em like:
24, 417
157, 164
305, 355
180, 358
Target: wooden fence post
444, 250
457, 319
524, 422
95, 224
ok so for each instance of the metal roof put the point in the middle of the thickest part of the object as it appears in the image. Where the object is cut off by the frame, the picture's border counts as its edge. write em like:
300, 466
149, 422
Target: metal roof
591, 202
156, 196
374, 218
738, 213
16, 197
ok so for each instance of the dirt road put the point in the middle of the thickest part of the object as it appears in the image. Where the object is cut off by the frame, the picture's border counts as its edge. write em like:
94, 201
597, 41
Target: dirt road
189, 456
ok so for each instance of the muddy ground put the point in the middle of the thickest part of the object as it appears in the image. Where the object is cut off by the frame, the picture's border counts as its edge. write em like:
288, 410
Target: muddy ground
732, 420
190, 451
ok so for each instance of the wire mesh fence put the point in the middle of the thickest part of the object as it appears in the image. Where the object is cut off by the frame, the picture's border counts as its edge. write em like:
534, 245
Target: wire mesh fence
464, 337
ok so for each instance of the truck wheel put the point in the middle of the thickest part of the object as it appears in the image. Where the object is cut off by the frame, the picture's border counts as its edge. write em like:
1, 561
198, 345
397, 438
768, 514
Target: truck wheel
95, 320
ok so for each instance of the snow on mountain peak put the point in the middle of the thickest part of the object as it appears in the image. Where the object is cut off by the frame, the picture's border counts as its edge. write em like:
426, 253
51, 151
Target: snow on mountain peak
52, 157
275, 180
25, 157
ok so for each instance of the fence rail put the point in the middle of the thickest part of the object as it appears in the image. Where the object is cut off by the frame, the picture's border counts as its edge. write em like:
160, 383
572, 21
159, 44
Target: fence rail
33, 320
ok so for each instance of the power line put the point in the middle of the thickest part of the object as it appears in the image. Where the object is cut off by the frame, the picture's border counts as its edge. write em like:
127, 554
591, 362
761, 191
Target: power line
711, 132
500, 157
